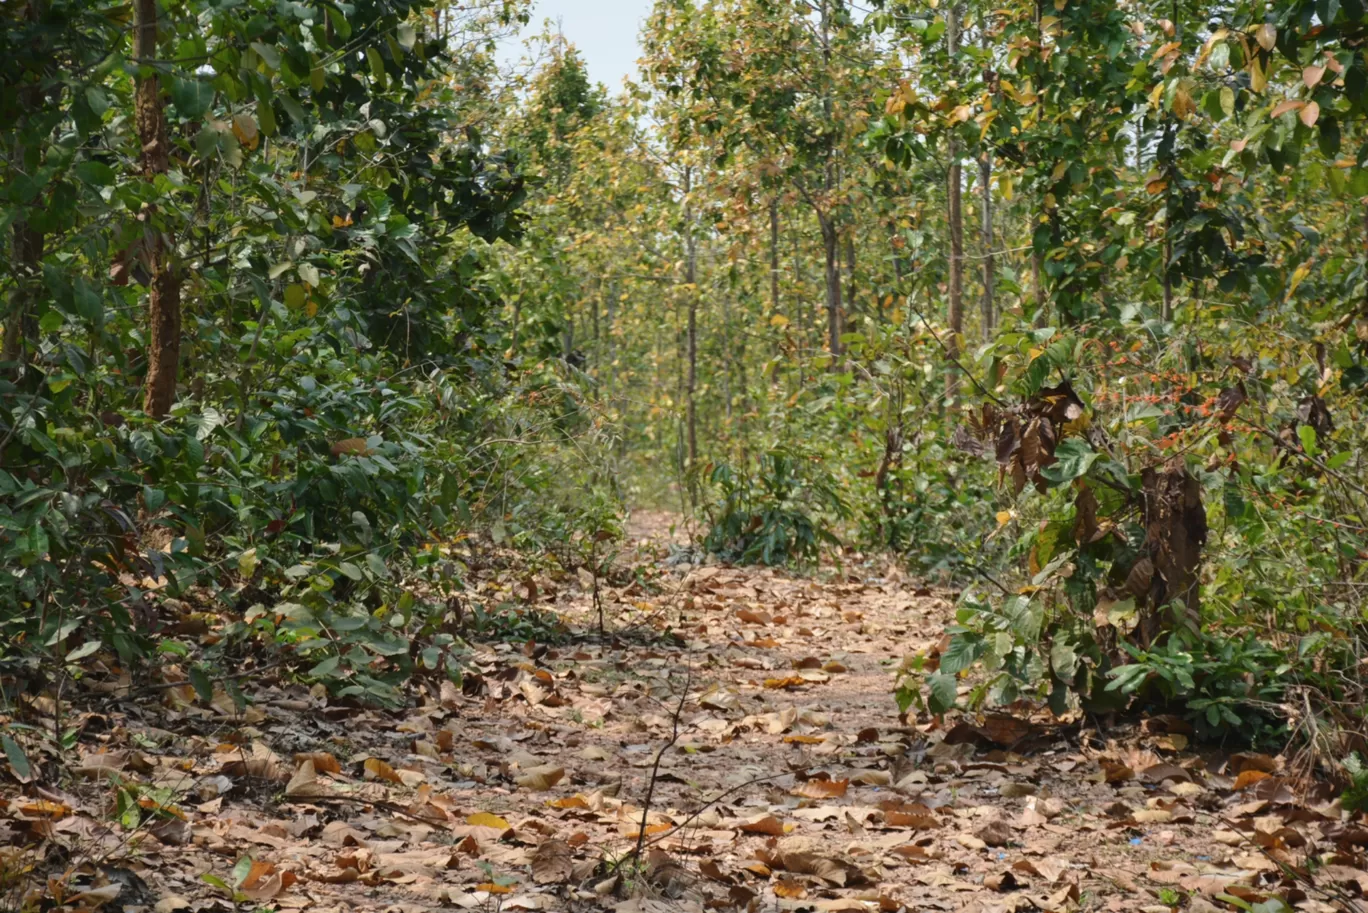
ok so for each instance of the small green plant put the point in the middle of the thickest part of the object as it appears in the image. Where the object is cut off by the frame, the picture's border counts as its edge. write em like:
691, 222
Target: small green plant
1355, 797
779, 515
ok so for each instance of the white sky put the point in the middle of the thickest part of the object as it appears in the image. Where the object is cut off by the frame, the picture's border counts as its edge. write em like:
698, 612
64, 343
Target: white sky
604, 31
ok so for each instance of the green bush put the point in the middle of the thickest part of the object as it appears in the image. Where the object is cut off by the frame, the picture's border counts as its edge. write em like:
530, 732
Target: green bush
780, 514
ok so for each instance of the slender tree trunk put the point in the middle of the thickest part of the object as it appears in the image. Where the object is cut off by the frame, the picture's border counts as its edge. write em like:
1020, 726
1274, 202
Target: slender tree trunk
690, 276
1037, 290
164, 292
955, 216
1167, 309
830, 245
20, 329
774, 255
830, 230
986, 235
850, 269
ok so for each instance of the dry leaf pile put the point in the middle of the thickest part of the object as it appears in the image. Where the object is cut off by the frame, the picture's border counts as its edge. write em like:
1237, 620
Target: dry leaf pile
783, 780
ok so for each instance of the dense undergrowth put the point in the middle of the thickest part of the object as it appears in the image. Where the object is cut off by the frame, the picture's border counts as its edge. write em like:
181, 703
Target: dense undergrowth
312, 313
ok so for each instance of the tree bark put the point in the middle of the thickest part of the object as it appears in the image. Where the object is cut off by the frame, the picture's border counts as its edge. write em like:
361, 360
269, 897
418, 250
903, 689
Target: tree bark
163, 293
830, 246
1167, 309
774, 256
20, 329
955, 217
690, 275
986, 234
850, 270
1037, 290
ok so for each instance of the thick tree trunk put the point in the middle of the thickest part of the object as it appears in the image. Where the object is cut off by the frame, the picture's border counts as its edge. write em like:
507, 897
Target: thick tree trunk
988, 306
955, 217
163, 294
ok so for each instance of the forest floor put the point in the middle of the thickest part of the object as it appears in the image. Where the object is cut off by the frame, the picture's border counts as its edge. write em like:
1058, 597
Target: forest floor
752, 707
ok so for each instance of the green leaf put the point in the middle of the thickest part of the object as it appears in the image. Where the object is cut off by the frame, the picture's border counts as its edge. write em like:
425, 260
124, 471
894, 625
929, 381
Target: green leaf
1307, 434
199, 679
1063, 660
19, 761
377, 67
1073, 460
84, 650
247, 563
407, 35
943, 691
97, 174
153, 498
191, 97
295, 296
268, 53
965, 648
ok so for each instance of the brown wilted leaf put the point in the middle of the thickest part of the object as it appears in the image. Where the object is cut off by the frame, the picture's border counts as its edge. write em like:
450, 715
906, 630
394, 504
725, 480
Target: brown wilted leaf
995, 833
304, 783
822, 789
789, 889
788, 681
540, 778
553, 862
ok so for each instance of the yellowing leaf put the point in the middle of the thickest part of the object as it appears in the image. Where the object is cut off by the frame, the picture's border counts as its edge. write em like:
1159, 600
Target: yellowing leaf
376, 769
569, 802
245, 129
490, 887
779, 320
1266, 35
488, 819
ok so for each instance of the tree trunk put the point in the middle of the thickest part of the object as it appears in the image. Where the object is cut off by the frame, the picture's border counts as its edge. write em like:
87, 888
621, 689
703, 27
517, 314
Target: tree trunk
1169, 569
163, 294
830, 245
774, 256
955, 216
986, 236
850, 269
690, 275
20, 329
1037, 290
1167, 310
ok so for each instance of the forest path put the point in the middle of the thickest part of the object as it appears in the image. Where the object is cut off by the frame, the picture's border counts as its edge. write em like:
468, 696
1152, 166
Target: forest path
785, 780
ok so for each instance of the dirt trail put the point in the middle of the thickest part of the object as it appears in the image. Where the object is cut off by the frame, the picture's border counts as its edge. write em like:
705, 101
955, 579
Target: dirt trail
757, 702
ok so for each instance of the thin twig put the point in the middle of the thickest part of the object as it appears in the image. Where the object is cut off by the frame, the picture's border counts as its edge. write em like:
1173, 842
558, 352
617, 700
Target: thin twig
655, 766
